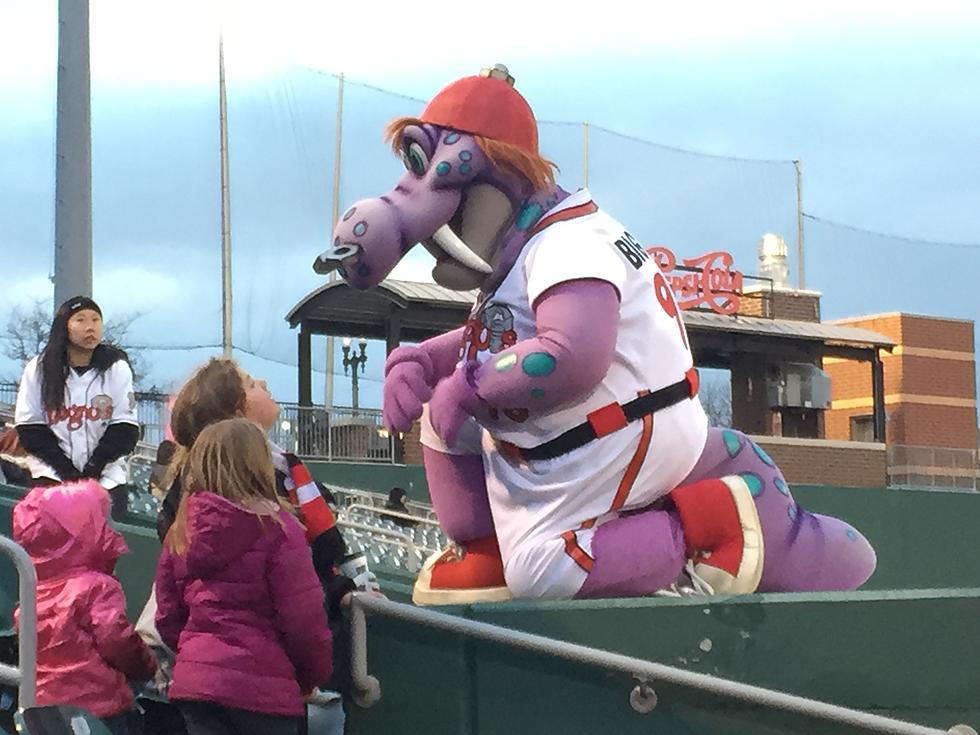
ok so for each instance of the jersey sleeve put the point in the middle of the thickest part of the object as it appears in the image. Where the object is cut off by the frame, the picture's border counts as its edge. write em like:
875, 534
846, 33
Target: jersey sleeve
30, 404
569, 251
119, 385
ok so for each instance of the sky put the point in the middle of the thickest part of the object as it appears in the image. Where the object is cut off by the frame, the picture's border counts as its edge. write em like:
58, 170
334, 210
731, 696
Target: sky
879, 101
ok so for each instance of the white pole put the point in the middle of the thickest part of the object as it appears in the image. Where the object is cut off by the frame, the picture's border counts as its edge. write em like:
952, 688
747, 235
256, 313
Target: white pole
338, 149
226, 293
801, 260
337, 152
585, 154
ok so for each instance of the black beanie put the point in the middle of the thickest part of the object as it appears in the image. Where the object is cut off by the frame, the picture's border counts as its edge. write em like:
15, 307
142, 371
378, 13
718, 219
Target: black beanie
78, 303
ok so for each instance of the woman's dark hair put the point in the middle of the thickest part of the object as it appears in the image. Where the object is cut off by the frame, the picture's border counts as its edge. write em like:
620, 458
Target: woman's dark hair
53, 362
165, 451
396, 498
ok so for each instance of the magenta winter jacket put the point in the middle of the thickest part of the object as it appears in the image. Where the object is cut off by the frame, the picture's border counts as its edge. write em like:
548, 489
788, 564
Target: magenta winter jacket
86, 647
243, 608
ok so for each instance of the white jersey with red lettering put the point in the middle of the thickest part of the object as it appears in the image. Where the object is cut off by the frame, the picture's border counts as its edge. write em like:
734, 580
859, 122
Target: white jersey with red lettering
545, 511
93, 401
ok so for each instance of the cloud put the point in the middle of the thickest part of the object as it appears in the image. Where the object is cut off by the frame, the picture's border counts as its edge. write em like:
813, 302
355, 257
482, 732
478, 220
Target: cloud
416, 266
23, 291
176, 42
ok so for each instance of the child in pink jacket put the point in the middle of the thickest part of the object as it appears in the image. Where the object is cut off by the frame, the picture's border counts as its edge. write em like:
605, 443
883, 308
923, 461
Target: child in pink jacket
237, 596
86, 647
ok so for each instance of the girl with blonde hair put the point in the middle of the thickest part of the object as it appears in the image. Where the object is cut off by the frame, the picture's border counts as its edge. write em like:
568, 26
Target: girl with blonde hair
237, 595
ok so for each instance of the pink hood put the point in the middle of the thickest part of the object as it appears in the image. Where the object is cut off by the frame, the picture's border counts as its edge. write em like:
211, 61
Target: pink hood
65, 529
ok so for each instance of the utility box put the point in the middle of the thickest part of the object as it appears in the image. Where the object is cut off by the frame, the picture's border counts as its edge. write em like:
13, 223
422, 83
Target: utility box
798, 385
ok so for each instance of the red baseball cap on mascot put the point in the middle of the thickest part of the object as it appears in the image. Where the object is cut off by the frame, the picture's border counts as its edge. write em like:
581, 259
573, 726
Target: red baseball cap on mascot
486, 105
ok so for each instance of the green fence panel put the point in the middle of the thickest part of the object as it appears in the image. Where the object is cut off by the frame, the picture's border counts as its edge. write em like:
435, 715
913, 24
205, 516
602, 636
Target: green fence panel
905, 655
379, 478
924, 539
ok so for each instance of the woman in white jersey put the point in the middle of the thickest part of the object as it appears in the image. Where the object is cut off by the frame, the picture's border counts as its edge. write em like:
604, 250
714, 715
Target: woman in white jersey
76, 410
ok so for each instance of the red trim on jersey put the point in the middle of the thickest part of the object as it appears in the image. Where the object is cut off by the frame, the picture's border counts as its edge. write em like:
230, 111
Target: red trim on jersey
633, 469
572, 548
578, 554
579, 210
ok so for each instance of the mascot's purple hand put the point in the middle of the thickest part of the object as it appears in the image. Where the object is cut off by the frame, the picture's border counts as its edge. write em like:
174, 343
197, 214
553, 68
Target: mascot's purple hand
408, 372
454, 401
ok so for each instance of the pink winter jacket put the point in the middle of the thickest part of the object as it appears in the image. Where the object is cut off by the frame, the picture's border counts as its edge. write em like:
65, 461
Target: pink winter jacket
243, 608
86, 647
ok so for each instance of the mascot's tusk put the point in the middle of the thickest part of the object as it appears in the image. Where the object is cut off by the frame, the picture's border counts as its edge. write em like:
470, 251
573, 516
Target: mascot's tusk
449, 241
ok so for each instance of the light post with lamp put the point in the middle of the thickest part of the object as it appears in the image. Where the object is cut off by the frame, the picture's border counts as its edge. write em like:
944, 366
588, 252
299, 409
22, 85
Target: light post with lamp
354, 362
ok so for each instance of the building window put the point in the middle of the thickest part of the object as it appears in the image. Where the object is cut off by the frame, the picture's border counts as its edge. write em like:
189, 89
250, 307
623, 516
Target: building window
862, 428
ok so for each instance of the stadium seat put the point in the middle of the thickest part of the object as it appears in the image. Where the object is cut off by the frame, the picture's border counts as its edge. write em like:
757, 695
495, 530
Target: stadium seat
59, 720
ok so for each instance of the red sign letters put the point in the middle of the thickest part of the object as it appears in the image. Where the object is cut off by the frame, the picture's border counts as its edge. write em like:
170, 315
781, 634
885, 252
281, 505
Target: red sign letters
713, 282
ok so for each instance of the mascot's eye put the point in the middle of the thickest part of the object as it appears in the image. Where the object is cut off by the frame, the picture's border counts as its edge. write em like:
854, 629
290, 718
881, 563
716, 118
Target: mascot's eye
415, 159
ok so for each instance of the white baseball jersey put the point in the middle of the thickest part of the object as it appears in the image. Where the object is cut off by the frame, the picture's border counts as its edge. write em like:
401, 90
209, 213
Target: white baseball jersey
545, 511
93, 401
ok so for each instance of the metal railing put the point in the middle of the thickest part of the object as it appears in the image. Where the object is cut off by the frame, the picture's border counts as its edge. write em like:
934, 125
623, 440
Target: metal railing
933, 468
27, 630
348, 496
398, 539
383, 537
381, 511
335, 434
151, 412
643, 698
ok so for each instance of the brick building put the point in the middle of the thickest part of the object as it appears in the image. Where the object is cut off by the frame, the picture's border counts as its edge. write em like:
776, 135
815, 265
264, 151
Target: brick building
929, 395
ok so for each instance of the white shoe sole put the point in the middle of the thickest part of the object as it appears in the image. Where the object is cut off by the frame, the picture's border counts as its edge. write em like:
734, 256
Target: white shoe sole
424, 594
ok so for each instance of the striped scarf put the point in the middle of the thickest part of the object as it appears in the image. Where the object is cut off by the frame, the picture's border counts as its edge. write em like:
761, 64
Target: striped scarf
305, 495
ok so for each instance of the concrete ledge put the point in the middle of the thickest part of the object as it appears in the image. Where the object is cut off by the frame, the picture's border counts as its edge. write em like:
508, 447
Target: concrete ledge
819, 443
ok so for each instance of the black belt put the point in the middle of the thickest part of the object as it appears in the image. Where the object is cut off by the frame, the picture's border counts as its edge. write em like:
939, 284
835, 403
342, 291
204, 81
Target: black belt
606, 420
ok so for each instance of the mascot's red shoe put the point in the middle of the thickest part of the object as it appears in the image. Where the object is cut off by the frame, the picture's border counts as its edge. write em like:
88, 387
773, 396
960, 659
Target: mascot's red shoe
463, 574
723, 533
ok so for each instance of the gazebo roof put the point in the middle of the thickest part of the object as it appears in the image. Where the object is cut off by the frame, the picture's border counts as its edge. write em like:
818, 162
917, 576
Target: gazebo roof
422, 310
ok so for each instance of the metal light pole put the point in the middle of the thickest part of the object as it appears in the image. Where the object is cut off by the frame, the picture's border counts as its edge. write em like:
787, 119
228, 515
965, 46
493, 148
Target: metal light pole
337, 153
226, 292
354, 362
73, 154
